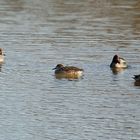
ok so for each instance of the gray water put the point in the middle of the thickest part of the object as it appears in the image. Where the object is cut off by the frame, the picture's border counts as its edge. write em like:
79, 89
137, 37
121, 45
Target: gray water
38, 34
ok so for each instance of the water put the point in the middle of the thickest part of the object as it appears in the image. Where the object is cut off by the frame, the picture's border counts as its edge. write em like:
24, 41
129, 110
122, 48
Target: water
36, 35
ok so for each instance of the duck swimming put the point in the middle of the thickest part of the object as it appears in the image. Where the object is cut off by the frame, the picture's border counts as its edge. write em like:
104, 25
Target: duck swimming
118, 62
68, 71
137, 77
1, 56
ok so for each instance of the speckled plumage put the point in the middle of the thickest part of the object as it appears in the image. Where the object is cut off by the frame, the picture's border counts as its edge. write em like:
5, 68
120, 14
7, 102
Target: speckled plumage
60, 69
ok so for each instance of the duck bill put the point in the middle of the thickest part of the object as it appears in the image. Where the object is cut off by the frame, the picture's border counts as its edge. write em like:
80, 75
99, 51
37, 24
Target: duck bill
54, 68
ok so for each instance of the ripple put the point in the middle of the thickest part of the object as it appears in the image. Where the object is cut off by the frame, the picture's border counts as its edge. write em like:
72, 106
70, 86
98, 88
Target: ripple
37, 35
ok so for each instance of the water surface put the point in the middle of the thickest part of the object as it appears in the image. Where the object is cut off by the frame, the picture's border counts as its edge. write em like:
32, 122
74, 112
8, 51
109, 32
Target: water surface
36, 35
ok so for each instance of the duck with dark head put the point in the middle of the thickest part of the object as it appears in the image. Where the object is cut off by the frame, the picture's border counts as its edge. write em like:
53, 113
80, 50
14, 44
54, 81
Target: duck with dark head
118, 62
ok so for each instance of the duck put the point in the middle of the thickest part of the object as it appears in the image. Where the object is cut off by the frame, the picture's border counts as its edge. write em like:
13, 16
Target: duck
118, 62
1, 56
68, 71
137, 77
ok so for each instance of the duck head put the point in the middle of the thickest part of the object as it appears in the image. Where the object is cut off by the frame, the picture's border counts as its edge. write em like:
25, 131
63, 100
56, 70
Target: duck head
116, 59
59, 66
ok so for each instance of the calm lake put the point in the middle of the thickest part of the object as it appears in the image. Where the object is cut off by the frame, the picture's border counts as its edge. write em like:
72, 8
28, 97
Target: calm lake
36, 35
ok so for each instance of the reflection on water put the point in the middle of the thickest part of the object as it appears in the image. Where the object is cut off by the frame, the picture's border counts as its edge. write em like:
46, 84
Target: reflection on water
0, 67
15, 5
38, 34
136, 22
68, 76
137, 83
117, 70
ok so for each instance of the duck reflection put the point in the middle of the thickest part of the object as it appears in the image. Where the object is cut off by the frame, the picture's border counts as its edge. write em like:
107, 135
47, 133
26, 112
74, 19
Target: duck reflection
15, 5
0, 67
67, 76
117, 70
137, 83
